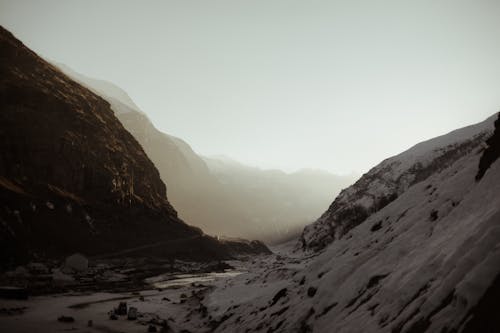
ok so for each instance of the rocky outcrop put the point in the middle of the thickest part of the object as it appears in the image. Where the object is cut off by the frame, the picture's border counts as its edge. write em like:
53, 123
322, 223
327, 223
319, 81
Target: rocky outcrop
491, 153
71, 177
391, 178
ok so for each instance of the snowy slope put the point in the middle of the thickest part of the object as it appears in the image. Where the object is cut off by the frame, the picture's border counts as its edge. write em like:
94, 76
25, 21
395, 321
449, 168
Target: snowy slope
390, 179
429, 261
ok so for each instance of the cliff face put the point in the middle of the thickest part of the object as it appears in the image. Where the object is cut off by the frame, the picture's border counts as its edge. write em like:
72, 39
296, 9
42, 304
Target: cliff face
71, 177
491, 153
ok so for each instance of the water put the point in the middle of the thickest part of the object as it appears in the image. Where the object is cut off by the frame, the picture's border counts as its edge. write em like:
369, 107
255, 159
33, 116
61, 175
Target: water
169, 280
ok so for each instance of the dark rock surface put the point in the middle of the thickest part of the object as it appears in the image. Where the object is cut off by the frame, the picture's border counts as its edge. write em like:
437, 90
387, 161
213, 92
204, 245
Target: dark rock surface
71, 177
491, 153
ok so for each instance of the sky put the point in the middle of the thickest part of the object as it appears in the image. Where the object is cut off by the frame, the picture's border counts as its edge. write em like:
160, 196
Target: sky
333, 85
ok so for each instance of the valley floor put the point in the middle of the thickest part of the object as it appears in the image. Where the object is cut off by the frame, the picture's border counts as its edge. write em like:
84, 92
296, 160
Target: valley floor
198, 302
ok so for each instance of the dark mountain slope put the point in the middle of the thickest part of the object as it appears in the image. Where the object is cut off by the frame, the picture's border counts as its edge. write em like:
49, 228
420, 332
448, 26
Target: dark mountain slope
221, 196
491, 153
71, 177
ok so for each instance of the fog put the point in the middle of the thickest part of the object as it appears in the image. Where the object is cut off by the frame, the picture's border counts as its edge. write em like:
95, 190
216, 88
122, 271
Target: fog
334, 85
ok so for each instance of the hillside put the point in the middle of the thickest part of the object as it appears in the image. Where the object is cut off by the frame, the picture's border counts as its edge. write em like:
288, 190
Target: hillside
220, 196
427, 261
391, 178
71, 177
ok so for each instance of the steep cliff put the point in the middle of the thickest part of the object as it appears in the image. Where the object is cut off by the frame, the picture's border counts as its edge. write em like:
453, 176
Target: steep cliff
221, 196
71, 177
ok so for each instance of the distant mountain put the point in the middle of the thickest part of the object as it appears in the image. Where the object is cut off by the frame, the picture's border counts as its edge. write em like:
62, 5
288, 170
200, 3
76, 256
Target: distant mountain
221, 196
71, 177
287, 201
413, 246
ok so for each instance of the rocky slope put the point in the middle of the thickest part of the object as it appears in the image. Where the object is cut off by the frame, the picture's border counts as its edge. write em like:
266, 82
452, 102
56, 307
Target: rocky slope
71, 177
391, 178
223, 197
427, 261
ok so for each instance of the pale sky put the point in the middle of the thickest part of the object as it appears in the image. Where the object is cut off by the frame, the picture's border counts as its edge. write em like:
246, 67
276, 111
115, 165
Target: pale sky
335, 85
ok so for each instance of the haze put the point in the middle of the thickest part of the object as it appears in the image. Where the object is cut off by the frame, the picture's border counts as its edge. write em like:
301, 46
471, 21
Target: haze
336, 85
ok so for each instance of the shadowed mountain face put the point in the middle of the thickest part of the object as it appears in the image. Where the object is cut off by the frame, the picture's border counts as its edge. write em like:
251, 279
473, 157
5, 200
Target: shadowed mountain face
71, 177
219, 195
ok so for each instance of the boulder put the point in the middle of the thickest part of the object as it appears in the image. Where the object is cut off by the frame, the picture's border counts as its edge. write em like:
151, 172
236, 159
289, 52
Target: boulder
132, 313
122, 309
77, 263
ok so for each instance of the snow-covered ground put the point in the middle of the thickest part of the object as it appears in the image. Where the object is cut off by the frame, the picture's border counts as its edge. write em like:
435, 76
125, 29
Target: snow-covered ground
392, 177
177, 301
419, 264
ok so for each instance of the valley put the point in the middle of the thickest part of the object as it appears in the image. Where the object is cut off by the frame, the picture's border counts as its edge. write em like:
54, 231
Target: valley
110, 224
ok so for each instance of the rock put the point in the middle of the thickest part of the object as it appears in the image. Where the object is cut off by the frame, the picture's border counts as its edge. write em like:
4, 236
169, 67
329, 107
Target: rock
302, 281
278, 296
77, 263
122, 309
132, 313
66, 319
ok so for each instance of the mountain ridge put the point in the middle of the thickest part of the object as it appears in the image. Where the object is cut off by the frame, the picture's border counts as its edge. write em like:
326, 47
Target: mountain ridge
268, 204
385, 182
72, 179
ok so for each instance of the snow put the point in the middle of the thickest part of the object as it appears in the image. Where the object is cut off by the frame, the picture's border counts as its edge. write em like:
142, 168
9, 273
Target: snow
394, 176
418, 270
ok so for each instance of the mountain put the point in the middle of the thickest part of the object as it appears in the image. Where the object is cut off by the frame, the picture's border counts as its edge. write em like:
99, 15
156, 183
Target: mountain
296, 198
388, 180
413, 246
71, 177
221, 196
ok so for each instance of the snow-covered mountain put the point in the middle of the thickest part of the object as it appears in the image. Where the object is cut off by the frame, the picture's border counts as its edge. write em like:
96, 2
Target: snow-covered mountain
425, 260
390, 179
